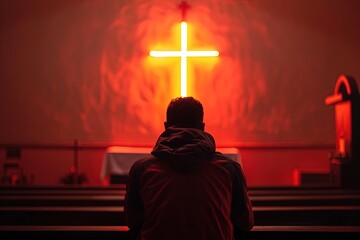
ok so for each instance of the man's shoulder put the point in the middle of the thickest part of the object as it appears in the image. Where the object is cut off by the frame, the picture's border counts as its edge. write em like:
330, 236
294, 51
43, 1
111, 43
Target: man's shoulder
221, 157
226, 162
144, 161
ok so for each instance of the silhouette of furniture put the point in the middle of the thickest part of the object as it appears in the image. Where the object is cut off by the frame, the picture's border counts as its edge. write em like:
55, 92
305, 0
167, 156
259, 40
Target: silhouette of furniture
118, 161
12, 169
345, 161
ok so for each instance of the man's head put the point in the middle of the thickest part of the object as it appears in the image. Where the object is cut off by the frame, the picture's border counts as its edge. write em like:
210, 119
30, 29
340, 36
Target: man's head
185, 111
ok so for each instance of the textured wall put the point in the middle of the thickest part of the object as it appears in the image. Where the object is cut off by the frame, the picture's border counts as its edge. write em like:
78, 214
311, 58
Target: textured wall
80, 69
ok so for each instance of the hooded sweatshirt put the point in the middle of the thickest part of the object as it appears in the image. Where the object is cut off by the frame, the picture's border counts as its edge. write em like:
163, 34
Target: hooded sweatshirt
186, 190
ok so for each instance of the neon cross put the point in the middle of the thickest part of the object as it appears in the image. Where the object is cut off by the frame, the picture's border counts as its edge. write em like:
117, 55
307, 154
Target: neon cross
184, 54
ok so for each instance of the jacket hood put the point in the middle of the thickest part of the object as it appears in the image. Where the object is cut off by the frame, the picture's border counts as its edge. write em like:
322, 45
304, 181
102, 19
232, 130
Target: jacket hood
184, 148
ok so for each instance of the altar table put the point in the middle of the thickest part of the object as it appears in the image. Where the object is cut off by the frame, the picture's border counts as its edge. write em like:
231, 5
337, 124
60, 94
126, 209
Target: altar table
118, 160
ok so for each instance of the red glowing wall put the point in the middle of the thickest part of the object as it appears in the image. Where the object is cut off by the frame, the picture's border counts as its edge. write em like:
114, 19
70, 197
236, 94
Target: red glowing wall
81, 70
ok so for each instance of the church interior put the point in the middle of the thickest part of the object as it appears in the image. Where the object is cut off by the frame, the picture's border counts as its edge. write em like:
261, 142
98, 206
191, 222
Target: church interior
85, 86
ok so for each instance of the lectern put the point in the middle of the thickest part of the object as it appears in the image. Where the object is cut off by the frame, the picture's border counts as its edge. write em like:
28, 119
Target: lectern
345, 161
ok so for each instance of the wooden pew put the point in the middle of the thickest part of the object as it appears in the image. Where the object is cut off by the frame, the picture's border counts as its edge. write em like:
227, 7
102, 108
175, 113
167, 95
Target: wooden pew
120, 189
121, 233
77, 205
62, 200
62, 190
118, 200
114, 216
115, 197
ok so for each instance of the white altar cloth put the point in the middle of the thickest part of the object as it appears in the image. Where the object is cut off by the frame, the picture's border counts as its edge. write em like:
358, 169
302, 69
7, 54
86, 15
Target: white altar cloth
118, 160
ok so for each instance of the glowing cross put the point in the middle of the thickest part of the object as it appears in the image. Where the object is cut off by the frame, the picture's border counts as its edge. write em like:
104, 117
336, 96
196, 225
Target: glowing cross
184, 53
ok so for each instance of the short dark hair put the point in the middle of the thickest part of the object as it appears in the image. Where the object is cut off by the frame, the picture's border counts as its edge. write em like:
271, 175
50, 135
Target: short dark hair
185, 111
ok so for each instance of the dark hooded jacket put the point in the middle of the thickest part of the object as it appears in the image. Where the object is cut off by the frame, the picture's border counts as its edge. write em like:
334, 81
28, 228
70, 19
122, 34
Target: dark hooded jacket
187, 190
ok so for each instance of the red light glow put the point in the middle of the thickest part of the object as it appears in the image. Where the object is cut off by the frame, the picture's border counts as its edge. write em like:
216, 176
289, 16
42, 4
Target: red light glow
85, 67
184, 53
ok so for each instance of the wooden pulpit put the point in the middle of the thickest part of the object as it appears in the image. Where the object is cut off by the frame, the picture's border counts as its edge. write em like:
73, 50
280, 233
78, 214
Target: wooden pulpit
345, 161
